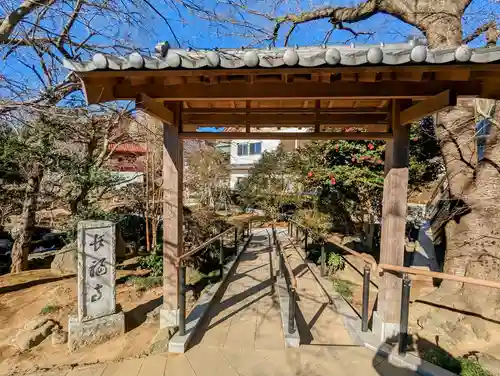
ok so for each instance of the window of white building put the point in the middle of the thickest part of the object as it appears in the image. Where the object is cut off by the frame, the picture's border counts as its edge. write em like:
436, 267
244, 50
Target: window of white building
252, 148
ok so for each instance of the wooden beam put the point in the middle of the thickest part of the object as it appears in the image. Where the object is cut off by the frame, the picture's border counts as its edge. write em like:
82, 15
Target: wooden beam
285, 110
286, 135
392, 242
311, 90
172, 216
428, 106
154, 108
297, 119
322, 128
291, 70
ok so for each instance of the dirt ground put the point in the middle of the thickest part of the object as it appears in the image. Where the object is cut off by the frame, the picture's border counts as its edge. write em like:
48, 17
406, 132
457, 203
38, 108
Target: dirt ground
23, 296
420, 289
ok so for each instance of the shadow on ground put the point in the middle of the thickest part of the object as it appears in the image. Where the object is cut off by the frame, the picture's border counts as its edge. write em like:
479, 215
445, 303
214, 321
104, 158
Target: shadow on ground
424, 349
25, 285
135, 317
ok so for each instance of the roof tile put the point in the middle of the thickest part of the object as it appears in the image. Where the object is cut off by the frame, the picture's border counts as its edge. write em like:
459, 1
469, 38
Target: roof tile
391, 54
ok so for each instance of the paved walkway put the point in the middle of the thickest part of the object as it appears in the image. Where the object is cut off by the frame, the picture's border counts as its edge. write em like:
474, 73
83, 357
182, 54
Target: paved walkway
243, 337
318, 321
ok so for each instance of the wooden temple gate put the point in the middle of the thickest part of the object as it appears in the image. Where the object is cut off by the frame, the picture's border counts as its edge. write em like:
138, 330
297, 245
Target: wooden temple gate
341, 92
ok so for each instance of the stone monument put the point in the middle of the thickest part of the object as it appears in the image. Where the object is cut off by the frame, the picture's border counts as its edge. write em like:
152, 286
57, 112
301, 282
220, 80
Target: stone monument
97, 319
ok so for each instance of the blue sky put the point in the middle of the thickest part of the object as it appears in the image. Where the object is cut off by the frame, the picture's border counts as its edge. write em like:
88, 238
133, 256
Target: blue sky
193, 32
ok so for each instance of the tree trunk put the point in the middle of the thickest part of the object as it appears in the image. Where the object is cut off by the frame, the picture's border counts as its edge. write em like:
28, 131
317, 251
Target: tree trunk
81, 199
22, 244
443, 29
471, 234
473, 229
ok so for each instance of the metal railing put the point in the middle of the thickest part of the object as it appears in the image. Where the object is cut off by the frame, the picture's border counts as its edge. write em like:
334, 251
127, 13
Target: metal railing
405, 272
292, 225
242, 229
285, 271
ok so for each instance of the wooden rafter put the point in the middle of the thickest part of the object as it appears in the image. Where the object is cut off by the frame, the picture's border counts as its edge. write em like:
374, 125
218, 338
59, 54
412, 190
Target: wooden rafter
154, 108
429, 106
295, 118
285, 110
286, 135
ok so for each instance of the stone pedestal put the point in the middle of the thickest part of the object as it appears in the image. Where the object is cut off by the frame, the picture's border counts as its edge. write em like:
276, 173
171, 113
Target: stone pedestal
385, 331
169, 318
97, 320
82, 334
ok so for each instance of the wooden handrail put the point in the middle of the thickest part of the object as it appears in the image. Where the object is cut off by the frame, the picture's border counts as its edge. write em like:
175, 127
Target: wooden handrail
439, 275
403, 269
366, 259
210, 241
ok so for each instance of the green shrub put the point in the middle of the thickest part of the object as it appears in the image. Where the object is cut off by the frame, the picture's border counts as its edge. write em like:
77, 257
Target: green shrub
472, 368
91, 212
315, 220
343, 287
335, 263
49, 308
153, 262
146, 283
460, 366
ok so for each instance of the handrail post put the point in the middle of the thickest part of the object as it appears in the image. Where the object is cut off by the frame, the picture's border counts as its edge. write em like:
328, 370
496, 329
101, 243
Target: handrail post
405, 308
291, 311
182, 300
305, 241
221, 257
323, 259
297, 232
280, 265
366, 296
236, 239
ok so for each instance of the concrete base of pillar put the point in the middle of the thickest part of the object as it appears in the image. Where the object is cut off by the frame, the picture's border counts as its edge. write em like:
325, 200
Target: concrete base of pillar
385, 331
169, 318
86, 333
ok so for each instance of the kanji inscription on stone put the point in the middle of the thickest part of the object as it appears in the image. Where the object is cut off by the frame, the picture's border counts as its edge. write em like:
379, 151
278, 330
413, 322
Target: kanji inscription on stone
96, 269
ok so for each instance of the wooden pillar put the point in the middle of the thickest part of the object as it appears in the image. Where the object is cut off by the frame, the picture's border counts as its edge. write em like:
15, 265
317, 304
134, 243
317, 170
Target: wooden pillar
392, 244
172, 217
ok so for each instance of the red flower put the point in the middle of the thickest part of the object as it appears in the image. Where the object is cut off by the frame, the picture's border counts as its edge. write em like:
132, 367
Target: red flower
337, 147
380, 161
370, 146
333, 181
310, 174
414, 139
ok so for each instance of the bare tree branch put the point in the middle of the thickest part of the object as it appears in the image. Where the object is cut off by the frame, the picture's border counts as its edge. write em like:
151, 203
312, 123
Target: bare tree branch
289, 33
27, 7
490, 27
65, 32
164, 19
337, 15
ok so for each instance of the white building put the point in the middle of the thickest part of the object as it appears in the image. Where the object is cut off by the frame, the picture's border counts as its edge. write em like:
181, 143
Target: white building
244, 154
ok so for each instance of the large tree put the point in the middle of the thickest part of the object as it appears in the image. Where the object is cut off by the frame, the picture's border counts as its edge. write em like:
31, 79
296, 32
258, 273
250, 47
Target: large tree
207, 176
271, 184
37, 96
